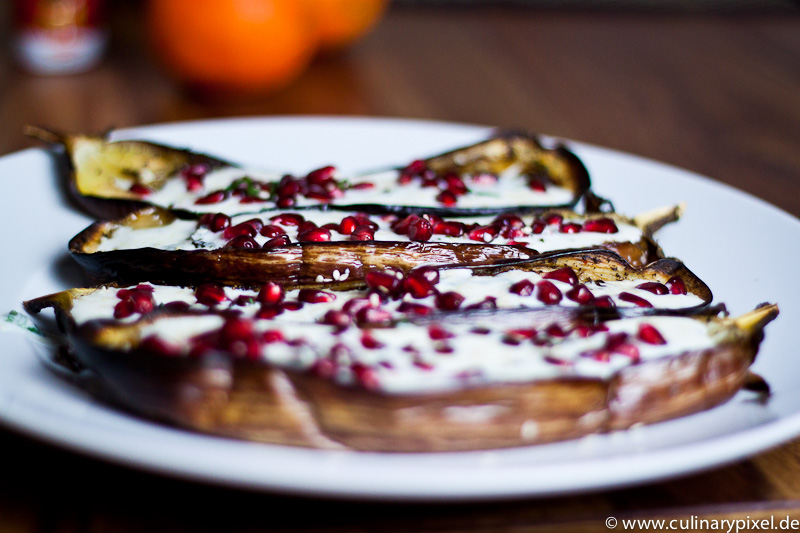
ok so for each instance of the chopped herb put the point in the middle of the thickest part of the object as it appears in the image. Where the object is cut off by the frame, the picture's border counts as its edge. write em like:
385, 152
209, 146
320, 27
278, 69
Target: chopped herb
18, 319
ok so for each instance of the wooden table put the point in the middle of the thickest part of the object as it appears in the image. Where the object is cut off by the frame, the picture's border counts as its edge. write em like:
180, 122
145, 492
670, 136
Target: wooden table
718, 94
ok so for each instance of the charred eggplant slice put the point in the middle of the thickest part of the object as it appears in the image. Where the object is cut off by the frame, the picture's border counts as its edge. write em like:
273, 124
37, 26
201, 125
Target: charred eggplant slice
154, 245
539, 377
511, 172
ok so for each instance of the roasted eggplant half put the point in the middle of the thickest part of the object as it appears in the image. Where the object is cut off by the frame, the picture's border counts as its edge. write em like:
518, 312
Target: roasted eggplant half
155, 245
418, 386
507, 173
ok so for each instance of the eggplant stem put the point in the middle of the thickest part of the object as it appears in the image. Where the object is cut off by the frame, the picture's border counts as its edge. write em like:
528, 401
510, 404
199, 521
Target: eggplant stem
756, 319
655, 219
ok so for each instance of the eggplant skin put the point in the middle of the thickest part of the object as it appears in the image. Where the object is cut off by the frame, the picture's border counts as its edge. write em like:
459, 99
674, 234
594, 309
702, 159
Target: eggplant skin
218, 395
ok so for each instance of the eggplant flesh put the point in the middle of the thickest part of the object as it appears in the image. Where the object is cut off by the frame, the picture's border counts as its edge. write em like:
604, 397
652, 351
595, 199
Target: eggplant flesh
111, 178
414, 401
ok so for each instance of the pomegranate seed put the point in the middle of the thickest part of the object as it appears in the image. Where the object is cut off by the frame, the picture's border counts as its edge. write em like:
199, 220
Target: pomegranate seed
628, 350
480, 330
271, 231
141, 190
556, 361
365, 376
490, 302
654, 287
615, 339
401, 226
285, 201
523, 288
566, 275
581, 295
288, 219
211, 198
512, 233
210, 294
548, 293
314, 235
269, 311
142, 302
446, 198
437, 333
176, 306
570, 227
292, 305
272, 335
600, 225
314, 296
354, 305
236, 336
537, 227
420, 230
348, 225
370, 343
632, 298
307, 225
219, 222
449, 301
418, 166
331, 226
649, 334
553, 219
418, 286
483, 233
373, 316
438, 347
321, 175
153, 344
536, 184
271, 293
339, 319
362, 233
449, 228
509, 220
384, 281
455, 185
528, 333
238, 230
124, 309
283, 240
363, 185
676, 285
414, 308
324, 368
554, 330
604, 301
242, 241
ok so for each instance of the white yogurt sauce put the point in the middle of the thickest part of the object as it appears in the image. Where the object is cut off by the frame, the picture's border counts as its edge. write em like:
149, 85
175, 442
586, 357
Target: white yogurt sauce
509, 190
185, 235
476, 359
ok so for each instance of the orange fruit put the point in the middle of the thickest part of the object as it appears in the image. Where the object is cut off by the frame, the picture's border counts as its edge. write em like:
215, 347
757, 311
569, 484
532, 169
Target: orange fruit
340, 22
232, 45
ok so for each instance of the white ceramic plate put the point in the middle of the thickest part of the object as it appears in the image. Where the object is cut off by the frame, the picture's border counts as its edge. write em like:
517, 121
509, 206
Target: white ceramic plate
743, 247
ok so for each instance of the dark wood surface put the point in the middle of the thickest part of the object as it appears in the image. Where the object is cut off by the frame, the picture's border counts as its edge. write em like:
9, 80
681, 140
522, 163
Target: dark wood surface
718, 94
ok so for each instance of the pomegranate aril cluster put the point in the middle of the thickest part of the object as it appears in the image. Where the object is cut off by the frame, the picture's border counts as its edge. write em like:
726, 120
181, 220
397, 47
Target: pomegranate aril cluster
319, 184
138, 300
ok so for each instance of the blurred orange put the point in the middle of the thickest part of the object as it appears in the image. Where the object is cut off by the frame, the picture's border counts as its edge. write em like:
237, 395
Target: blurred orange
340, 22
233, 45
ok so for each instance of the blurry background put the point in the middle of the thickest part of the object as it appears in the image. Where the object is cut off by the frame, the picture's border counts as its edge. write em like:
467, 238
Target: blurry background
710, 85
